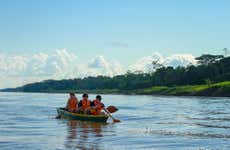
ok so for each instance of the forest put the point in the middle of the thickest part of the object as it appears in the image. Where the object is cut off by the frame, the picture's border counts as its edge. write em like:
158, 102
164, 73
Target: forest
209, 69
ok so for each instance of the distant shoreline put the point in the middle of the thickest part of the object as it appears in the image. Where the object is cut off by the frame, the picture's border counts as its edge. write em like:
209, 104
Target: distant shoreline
221, 89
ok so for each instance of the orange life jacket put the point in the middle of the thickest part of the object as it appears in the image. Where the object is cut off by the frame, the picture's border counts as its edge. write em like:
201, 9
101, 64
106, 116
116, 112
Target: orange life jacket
98, 107
85, 104
96, 102
72, 104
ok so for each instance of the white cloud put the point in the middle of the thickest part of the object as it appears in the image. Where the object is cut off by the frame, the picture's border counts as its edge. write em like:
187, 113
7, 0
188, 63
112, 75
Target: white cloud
12, 65
179, 60
99, 62
145, 63
100, 66
62, 64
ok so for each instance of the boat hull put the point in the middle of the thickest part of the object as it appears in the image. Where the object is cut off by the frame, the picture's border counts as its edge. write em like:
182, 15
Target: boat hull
83, 117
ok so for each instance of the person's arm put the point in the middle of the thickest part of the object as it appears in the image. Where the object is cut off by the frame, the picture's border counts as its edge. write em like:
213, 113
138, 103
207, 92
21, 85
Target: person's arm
103, 106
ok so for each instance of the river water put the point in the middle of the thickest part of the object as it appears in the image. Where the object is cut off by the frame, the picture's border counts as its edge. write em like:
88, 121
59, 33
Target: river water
148, 122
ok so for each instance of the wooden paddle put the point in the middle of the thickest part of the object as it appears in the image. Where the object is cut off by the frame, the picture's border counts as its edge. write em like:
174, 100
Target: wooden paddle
58, 117
112, 109
114, 120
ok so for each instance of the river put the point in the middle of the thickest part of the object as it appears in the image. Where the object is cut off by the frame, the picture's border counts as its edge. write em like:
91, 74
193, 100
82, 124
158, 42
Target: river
27, 121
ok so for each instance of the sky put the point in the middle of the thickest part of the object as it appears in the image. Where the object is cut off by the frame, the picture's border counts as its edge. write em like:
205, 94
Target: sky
76, 38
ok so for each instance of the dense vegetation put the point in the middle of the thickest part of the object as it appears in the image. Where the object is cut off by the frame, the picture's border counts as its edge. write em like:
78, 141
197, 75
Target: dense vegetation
214, 89
210, 69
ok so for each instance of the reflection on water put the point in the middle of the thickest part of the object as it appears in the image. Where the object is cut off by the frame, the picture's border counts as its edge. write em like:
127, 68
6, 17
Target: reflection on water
148, 122
80, 134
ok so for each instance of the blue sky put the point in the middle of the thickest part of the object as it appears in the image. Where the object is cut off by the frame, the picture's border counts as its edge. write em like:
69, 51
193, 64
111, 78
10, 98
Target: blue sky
124, 30
114, 28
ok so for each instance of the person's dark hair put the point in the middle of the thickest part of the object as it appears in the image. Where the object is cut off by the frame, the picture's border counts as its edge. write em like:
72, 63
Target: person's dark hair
85, 95
98, 97
72, 94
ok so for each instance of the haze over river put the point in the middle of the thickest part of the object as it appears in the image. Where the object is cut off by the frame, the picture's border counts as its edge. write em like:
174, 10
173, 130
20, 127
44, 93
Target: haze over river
148, 122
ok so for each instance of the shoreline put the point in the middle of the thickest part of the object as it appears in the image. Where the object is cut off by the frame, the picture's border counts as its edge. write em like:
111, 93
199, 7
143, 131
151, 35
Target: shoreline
131, 94
221, 89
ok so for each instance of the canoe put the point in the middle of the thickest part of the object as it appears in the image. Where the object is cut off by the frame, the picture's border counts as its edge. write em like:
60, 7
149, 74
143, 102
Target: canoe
63, 113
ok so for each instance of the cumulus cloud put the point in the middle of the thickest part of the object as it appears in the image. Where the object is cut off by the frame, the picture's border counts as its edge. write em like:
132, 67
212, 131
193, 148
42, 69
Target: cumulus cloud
180, 60
98, 62
52, 65
100, 66
13, 64
60, 64
145, 63
17, 70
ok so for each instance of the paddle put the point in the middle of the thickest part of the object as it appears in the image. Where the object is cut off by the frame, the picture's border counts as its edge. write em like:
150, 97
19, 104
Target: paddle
58, 117
112, 109
114, 120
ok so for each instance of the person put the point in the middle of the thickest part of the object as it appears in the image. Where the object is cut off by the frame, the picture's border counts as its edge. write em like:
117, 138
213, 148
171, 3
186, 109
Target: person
84, 105
72, 103
97, 106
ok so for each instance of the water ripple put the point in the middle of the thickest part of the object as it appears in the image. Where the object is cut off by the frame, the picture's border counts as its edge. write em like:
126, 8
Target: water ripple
148, 122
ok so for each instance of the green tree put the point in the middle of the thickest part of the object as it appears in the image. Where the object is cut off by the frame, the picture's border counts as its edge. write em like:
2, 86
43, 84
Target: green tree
208, 59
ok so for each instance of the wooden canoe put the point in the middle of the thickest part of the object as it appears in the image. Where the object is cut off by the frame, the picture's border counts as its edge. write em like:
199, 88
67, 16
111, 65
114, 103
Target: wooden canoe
63, 113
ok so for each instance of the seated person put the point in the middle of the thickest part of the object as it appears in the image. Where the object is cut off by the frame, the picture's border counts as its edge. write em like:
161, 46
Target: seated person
72, 103
97, 106
84, 105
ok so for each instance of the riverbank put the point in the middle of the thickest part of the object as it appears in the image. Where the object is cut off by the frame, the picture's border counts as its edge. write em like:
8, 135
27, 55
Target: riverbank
221, 89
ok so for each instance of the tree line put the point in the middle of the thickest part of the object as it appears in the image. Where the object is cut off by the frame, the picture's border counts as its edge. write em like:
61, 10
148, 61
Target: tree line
209, 68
